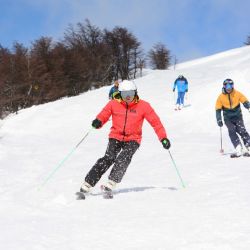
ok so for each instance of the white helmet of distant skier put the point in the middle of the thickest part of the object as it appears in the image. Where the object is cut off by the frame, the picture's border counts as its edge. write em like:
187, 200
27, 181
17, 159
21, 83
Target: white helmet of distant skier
127, 85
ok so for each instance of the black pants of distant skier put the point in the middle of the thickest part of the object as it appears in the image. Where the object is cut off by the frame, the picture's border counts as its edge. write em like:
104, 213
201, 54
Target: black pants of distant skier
118, 153
236, 127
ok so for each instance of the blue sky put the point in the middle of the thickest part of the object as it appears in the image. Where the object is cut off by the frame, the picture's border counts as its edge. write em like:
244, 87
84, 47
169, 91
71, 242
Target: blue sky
189, 28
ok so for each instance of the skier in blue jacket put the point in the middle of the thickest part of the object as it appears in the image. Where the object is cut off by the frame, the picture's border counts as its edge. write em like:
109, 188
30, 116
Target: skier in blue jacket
114, 90
182, 87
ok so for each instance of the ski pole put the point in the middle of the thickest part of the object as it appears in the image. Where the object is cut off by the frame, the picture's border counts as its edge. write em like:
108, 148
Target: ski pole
62, 162
221, 149
178, 173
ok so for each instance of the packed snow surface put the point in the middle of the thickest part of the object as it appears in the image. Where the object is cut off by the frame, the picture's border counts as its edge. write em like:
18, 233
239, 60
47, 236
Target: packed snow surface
151, 209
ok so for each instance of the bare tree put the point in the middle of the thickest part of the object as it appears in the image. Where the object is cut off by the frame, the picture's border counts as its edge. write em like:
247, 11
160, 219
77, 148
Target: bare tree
86, 58
87, 43
14, 77
141, 64
175, 61
159, 56
125, 52
248, 41
41, 68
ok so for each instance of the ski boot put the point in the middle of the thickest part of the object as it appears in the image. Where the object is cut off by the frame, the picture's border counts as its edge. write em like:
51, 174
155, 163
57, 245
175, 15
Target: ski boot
238, 152
107, 189
247, 152
177, 107
84, 190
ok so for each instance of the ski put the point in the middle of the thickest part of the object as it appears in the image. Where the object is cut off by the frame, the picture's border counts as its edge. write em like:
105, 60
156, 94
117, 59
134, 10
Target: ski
80, 196
234, 155
106, 192
184, 106
246, 154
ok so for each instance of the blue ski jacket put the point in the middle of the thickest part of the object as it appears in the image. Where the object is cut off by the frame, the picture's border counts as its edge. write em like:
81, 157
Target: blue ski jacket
113, 90
181, 84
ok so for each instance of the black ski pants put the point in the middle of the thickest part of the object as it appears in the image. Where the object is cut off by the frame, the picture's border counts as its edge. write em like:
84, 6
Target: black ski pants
120, 154
236, 127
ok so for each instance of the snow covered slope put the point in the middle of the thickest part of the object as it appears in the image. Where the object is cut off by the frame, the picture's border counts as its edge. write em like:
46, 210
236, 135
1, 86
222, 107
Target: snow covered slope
151, 210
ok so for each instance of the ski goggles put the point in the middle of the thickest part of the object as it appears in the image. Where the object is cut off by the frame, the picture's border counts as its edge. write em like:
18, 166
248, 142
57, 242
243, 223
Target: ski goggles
127, 95
228, 84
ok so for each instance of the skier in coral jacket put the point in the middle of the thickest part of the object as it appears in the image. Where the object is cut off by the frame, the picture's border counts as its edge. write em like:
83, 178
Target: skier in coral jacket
128, 113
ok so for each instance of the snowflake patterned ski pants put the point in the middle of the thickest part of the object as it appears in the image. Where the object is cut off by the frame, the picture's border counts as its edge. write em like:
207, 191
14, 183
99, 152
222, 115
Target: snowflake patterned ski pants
236, 127
120, 154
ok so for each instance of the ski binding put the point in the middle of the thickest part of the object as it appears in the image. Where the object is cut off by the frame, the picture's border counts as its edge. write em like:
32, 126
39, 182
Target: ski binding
80, 195
106, 192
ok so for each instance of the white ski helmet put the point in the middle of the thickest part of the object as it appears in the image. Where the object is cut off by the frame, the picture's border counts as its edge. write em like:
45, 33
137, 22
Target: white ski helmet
127, 85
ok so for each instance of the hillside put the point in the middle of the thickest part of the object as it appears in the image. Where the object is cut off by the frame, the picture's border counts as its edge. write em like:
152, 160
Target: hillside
150, 210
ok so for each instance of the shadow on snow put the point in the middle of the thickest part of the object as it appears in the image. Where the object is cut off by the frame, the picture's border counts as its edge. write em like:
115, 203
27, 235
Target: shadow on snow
135, 190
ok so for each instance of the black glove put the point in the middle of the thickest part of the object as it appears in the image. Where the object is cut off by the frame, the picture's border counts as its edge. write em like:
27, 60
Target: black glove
96, 123
220, 123
186, 90
173, 90
166, 143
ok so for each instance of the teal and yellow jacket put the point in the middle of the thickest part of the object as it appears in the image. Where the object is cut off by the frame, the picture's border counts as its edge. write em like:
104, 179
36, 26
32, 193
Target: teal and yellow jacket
230, 105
